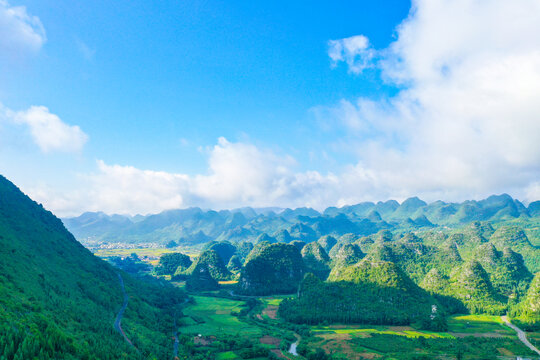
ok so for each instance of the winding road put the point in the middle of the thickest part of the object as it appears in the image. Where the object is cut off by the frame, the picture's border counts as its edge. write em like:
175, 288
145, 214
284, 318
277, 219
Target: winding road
118, 321
292, 348
521, 334
176, 341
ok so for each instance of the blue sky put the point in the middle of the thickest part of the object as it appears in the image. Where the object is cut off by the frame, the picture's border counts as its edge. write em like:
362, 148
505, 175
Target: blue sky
152, 73
332, 103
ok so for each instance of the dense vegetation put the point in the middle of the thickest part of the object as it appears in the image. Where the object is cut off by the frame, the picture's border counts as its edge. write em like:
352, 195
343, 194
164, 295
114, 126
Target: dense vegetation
171, 263
527, 312
477, 256
316, 260
367, 292
376, 263
386, 263
271, 269
58, 301
209, 260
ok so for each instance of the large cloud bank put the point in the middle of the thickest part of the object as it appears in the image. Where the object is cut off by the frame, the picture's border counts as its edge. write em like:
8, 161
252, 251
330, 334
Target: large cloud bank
464, 123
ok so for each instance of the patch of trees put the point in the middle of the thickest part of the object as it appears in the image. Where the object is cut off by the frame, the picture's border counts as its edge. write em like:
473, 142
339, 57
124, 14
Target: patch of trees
347, 302
271, 269
170, 263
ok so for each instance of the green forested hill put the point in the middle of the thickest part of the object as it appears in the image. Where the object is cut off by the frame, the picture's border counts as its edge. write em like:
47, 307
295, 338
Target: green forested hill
367, 292
471, 284
210, 260
58, 301
271, 269
474, 256
316, 260
527, 312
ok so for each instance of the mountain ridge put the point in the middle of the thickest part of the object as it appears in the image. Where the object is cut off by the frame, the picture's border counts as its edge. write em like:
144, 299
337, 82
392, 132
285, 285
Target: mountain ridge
195, 226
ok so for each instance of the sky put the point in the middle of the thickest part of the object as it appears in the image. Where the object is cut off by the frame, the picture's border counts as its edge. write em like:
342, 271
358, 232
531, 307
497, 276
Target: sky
137, 107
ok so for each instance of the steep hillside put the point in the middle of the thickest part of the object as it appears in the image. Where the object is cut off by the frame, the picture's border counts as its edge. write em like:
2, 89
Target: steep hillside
59, 301
224, 249
316, 260
327, 242
171, 263
367, 292
345, 256
527, 312
415, 258
208, 261
200, 278
515, 238
506, 269
471, 284
271, 269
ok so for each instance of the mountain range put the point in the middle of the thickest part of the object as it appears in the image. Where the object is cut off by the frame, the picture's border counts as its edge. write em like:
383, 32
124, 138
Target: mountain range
194, 226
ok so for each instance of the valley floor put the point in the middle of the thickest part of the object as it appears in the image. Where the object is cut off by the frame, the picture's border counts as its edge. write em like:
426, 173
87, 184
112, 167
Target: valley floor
468, 337
213, 317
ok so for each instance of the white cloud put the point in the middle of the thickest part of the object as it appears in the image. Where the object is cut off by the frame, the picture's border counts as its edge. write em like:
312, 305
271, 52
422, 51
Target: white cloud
355, 51
20, 33
126, 189
239, 174
466, 123
48, 131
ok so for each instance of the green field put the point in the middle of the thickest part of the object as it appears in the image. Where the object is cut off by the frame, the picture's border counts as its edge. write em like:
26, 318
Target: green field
212, 316
473, 336
388, 330
275, 300
478, 325
229, 355
141, 252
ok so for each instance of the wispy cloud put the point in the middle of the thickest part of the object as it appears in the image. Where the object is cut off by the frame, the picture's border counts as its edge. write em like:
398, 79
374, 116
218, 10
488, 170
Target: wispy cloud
20, 33
86, 51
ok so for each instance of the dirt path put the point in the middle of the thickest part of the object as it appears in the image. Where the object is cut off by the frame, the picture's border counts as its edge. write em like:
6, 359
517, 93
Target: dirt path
118, 321
521, 334
176, 341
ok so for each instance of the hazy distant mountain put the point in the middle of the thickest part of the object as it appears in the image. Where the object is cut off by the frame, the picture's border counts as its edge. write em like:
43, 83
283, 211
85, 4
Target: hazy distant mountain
196, 226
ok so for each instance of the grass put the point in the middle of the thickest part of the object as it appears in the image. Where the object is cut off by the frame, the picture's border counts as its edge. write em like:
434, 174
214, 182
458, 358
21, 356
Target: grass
478, 324
479, 318
229, 355
212, 316
273, 301
410, 333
